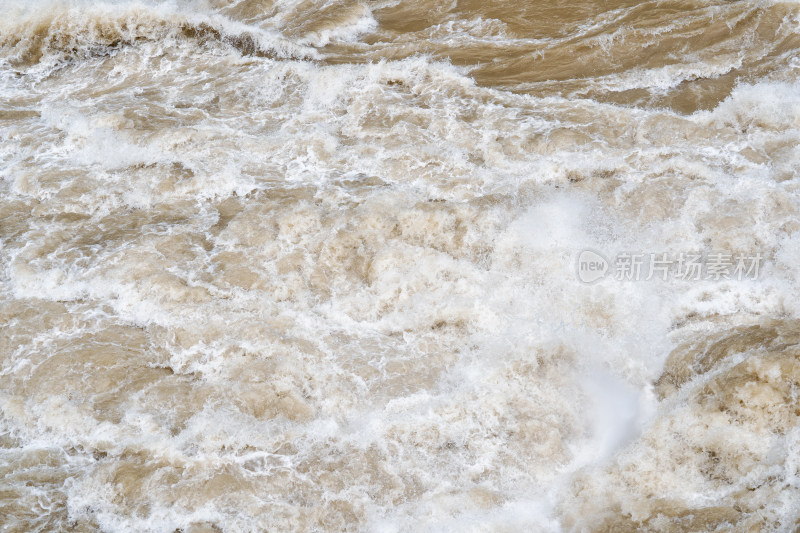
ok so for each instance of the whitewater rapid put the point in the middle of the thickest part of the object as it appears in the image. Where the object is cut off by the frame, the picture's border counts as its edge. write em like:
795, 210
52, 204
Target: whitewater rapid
314, 266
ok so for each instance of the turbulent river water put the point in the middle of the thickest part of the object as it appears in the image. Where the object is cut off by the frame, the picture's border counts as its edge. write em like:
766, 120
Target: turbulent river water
391, 266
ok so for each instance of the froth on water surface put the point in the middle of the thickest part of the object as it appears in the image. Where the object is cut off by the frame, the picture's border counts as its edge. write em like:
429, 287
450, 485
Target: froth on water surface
310, 266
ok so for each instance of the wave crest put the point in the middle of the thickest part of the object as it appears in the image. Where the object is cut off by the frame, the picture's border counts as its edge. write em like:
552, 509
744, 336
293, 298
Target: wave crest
82, 30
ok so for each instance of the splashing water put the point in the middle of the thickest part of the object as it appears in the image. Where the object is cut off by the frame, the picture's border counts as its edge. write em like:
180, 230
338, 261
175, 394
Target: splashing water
311, 265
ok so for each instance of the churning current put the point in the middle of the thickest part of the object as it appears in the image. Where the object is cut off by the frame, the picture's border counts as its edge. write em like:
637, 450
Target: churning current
399, 266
